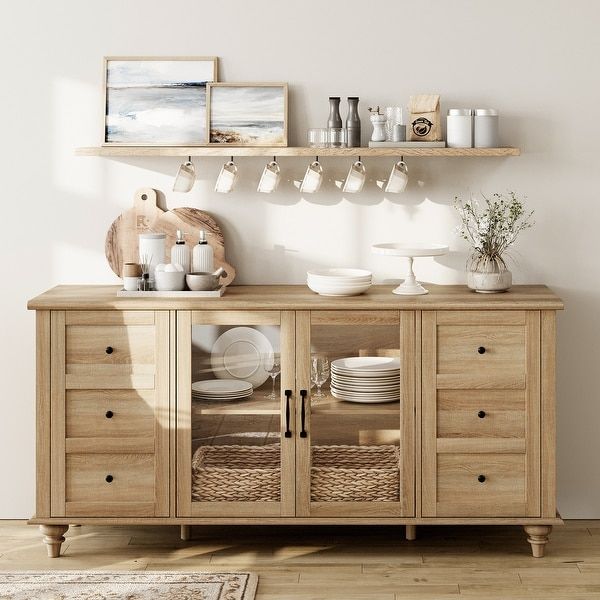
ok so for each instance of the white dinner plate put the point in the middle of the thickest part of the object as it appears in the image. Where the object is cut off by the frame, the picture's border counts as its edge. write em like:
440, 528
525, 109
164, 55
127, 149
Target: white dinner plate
366, 390
224, 396
367, 364
363, 399
366, 393
221, 386
242, 353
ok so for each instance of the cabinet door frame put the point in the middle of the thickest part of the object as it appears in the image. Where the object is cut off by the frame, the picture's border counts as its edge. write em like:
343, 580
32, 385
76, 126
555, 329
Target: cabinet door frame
61, 382
406, 323
430, 447
185, 506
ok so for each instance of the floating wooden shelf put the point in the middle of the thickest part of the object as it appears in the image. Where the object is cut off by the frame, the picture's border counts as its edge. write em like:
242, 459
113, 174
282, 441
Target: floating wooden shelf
125, 151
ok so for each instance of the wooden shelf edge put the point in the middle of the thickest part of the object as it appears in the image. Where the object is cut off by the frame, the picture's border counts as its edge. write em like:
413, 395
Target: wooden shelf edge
176, 151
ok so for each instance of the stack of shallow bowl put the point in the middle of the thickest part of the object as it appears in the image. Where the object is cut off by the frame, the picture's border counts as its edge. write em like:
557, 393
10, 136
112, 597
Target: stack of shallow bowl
339, 282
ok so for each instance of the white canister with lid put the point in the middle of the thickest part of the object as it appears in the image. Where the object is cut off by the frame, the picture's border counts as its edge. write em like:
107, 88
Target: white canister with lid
152, 250
459, 128
486, 128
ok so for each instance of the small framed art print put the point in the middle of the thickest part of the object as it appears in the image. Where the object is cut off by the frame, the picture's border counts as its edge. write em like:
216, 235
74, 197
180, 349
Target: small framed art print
247, 114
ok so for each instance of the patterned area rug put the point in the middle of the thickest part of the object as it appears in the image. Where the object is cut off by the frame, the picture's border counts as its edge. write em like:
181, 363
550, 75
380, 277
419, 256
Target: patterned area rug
135, 585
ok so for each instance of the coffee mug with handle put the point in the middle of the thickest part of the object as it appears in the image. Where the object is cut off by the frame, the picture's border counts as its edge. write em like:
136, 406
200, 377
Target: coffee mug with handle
355, 180
398, 178
269, 180
186, 176
312, 178
227, 178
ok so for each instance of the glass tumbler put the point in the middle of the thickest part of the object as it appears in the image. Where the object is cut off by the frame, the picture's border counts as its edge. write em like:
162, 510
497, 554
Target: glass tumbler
317, 138
394, 116
337, 137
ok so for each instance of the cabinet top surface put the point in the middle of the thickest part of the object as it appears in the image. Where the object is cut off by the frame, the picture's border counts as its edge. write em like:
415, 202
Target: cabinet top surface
299, 297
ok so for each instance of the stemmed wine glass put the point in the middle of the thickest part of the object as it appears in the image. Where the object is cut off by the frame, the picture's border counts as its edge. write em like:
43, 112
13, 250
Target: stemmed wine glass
319, 373
273, 368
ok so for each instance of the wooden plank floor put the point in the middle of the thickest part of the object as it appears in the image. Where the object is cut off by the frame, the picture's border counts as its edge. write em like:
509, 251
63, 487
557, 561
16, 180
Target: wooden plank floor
338, 563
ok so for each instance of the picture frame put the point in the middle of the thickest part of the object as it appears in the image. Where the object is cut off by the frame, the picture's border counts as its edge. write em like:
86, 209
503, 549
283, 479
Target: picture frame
247, 114
156, 100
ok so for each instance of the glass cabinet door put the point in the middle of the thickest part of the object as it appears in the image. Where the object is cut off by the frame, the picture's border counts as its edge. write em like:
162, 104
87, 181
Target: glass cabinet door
355, 413
234, 408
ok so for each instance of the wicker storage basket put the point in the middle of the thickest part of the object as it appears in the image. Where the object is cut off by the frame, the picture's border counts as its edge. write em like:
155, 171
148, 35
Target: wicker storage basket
237, 474
355, 474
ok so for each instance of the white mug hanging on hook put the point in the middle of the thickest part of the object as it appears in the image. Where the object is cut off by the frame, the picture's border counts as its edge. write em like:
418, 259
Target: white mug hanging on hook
186, 176
227, 177
355, 180
398, 178
269, 180
312, 178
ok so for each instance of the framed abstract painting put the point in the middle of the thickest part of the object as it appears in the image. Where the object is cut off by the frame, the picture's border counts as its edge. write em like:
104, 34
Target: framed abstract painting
157, 101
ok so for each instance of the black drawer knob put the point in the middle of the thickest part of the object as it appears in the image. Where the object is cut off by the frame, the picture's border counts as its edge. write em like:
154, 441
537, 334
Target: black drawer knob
481, 414
481, 478
109, 414
109, 478
109, 350
481, 350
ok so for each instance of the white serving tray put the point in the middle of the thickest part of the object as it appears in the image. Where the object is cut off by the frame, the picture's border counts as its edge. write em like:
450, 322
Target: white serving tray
185, 294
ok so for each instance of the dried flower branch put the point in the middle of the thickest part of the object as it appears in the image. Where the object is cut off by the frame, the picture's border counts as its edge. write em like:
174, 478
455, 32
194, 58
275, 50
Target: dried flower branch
491, 229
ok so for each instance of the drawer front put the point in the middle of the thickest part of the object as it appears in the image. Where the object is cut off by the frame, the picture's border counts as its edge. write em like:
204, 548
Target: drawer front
481, 356
480, 414
110, 484
110, 345
110, 414
481, 485
110, 356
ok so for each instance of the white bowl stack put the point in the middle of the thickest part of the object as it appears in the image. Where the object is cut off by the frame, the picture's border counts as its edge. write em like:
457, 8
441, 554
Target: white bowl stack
366, 379
339, 282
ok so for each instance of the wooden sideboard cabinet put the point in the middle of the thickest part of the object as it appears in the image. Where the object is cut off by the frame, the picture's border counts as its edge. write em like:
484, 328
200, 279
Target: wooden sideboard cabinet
468, 436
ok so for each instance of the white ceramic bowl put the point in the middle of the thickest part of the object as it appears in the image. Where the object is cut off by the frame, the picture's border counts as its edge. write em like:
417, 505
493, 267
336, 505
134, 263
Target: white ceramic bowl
339, 283
339, 290
169, 281
340, 274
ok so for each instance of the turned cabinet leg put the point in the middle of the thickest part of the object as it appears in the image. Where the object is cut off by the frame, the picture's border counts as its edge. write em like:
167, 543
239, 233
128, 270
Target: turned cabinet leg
537, 536
53, 538
186, 533
411, 532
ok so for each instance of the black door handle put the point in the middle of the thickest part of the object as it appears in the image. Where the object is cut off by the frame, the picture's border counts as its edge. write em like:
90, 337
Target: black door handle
303, 394
288, 432
481, 349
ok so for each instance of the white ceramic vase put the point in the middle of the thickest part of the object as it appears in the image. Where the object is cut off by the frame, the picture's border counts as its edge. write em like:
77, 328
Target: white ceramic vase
489, 282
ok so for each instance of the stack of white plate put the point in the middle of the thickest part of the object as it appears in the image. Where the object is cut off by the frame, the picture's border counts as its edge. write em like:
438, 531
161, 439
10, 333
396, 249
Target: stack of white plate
366, 379
225, 390
339, 282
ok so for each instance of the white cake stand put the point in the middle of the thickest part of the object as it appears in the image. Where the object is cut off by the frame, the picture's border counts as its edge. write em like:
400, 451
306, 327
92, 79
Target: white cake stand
410, 286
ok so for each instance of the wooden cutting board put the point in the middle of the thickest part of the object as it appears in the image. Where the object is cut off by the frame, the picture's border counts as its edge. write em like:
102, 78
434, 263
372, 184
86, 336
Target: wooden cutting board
147, 217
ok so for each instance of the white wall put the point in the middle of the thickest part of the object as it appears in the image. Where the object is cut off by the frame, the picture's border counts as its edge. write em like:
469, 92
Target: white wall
535, 61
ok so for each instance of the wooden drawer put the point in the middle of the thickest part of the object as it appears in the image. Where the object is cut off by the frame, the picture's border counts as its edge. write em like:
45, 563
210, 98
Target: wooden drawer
110, 414
110, 485
500, 493
110, 356
480, 414
481, 356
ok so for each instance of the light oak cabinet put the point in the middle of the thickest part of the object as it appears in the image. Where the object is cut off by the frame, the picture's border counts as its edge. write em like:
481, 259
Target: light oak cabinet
123, 438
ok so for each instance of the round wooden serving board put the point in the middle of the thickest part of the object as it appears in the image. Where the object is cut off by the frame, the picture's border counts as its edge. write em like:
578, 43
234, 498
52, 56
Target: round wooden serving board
146, 217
